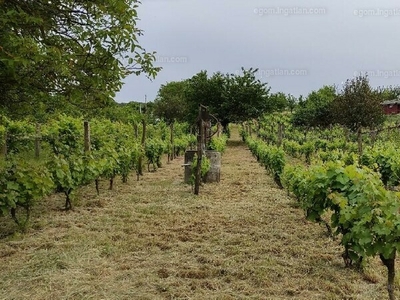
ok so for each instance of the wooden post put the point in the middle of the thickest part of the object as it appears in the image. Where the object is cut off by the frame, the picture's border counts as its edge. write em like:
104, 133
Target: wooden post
86, 136
37, 141
219, 129
200, 141
140, 161
172, 141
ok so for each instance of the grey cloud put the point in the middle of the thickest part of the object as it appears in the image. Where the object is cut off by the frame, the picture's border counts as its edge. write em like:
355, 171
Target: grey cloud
343, 39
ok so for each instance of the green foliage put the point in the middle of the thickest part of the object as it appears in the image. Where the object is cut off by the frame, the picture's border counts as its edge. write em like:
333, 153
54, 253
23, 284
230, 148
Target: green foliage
64, 134
127, 113
358, 105
68, 174
315, 110
18, 135
388, 93
337, 183
243, 134
67, 52
205, 167
65, 166
22, 184
230, 97
272, 157
245, 97
171, 104
208, 91
218, 143
363, 211
183, 142
154, 149
307, 149
385, 159
292, 148
279, 102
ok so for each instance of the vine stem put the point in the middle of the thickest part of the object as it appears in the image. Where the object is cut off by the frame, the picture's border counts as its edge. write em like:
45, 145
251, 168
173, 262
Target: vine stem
390, 265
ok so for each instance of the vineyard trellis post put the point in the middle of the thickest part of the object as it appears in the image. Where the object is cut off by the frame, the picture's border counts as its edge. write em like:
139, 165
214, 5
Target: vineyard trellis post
143, 142
171, 155
219, 129
201, 145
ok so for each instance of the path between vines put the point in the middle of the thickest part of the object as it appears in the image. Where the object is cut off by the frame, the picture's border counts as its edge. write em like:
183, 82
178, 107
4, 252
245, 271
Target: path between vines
240, 239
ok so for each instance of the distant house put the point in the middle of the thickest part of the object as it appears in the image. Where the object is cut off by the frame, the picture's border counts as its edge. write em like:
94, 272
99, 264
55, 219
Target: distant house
391, 107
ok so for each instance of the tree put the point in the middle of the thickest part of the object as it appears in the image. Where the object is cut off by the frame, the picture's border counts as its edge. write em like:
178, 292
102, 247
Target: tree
70, 51
208, 91
280, 101
358, 105
316, 109
245, 97
388, 93
171, 103
230, 97
291, 102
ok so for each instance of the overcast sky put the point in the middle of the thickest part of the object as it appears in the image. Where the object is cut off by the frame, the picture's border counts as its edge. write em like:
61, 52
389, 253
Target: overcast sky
298, 46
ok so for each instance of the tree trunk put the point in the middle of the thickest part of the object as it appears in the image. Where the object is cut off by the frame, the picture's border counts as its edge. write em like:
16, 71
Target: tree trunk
111, 183
225, 126
97, 186
390, 265
21, 224
68, 203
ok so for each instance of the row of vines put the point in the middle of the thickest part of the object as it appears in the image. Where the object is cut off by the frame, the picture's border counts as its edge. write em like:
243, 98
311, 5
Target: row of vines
352, 193
71, 157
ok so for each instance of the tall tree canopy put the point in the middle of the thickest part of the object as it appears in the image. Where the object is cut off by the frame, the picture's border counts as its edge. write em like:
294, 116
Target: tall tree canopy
170, 103
76, 51
208, 91
230, 97
280, 101
247, 96
316, 109
358, 105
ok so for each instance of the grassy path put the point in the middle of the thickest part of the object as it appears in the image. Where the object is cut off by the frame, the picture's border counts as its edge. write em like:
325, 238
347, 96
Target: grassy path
240, 239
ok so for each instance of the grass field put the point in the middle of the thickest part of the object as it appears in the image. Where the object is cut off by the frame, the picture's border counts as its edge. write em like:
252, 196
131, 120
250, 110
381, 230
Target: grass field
240, 239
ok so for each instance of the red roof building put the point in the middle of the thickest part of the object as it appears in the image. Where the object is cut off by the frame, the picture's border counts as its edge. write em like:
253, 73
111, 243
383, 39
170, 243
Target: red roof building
391, 107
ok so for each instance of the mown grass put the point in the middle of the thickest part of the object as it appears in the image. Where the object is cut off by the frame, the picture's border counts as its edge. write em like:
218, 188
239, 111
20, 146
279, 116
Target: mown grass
240, 239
